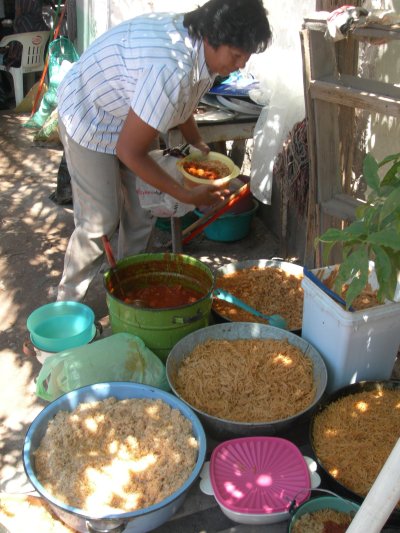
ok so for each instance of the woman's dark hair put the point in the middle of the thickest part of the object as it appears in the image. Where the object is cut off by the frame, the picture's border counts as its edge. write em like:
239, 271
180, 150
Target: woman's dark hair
239, 23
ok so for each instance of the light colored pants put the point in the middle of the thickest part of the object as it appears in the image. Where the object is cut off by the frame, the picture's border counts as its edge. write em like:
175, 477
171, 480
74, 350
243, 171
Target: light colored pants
104, 197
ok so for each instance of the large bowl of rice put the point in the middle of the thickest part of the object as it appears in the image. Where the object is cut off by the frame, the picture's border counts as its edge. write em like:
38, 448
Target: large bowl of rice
247, 379
114, 456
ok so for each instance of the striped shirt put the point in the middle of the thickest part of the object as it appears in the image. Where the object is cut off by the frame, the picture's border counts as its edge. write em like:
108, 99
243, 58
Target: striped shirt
148, 63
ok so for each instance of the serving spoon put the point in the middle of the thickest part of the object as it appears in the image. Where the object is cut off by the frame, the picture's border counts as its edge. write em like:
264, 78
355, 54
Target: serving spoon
274, 320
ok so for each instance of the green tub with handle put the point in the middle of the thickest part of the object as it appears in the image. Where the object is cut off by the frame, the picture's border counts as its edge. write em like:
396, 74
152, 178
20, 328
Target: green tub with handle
159, 328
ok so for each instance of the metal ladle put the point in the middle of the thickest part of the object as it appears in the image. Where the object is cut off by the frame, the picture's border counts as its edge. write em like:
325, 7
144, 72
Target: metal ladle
274, 320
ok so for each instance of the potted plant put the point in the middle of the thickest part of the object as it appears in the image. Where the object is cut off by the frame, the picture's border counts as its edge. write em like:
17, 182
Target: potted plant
360, 344
374, 235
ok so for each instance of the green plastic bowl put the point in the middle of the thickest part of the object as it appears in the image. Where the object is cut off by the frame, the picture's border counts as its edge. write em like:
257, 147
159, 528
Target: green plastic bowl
231, 226
60, 326
334, 503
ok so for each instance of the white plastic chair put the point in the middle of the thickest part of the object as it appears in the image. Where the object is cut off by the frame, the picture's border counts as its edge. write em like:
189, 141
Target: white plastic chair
32, 60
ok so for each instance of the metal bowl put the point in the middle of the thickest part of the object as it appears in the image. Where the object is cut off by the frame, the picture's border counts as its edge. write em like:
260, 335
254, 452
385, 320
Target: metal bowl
355, 388
231, 268
222, 429
139, 521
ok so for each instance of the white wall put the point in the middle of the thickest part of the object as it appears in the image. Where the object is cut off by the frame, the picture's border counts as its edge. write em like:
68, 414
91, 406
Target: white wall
384, 131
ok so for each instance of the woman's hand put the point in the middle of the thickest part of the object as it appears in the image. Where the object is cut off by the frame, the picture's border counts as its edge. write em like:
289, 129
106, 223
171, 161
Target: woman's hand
202, 146
207, 194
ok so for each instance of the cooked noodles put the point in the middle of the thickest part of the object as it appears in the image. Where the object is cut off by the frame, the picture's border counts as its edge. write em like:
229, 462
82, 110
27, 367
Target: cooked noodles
354, 436
322, 521
270, 290
247, 380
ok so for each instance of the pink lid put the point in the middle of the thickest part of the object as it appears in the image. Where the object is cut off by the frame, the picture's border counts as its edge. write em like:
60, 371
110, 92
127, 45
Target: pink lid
259, 475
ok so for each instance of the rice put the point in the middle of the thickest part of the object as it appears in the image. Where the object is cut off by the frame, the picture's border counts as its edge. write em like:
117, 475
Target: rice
112, 455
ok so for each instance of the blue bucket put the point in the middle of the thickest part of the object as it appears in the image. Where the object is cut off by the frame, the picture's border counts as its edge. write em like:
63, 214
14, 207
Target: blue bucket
60, 326
231, 226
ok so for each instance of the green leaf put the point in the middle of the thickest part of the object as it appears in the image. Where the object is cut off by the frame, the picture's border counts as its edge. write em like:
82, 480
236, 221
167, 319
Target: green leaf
354, 271
391, 205
357, 229
370, 171
392, 176
388, 158
389, 238
331, 235
385, 274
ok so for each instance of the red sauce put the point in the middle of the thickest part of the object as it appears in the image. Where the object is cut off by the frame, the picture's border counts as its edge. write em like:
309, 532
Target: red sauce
332, 527
162, 296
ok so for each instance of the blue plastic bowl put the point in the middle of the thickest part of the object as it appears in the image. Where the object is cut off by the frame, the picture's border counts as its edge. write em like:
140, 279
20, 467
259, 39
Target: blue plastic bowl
60, 326
231, 226
139, 521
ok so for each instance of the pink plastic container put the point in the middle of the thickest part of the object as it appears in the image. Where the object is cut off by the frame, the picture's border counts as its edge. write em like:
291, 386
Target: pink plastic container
256, 479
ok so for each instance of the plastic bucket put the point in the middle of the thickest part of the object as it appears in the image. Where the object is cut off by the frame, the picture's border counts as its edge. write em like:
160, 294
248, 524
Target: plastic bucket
356, 346
61, 325
334, 503
160, 329
230, 227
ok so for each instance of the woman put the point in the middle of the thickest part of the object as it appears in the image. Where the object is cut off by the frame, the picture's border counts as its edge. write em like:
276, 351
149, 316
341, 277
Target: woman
136, 81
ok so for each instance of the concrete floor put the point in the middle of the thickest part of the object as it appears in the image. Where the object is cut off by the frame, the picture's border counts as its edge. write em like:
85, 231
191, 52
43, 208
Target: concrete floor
33, 238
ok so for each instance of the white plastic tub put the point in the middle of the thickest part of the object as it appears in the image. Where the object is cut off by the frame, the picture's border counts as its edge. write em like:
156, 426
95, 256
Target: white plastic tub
355, 346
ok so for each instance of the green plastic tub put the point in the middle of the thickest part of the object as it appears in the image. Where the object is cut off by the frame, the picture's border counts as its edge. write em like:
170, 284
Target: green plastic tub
334, 503
160, 329
231, 226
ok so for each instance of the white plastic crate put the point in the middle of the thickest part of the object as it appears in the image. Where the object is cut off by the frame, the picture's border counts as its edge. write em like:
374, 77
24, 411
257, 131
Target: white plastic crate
355, 346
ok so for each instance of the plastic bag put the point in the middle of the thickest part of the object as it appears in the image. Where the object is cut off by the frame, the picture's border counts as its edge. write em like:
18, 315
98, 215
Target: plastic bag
120, 357
158, 203
62, 55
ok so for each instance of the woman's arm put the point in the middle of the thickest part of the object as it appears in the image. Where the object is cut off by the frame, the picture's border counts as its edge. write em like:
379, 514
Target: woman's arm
133, 148
191, 133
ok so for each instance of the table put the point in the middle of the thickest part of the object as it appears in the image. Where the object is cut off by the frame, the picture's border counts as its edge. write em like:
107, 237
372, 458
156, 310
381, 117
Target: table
241, 127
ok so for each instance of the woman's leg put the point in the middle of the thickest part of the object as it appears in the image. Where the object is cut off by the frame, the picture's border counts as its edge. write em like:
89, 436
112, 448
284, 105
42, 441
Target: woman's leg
96, 188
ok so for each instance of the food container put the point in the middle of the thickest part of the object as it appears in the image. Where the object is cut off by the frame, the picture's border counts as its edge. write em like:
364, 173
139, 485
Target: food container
255, 479
61, 325
160, 328
231, 226
331, 502
220, 428
349, 390
231, 268
356, 346
41, 355
138, 521
192, 181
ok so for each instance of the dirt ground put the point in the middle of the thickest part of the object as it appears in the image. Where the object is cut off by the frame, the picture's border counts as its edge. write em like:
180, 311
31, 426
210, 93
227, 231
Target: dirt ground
33, 238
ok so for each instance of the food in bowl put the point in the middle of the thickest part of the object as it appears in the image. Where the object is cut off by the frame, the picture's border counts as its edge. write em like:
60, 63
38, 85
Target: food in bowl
354, 435
161, 296
270, 290
322, 521
115, 455
209, 169
250, 380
